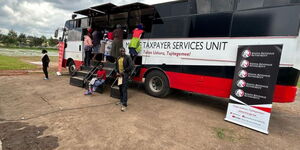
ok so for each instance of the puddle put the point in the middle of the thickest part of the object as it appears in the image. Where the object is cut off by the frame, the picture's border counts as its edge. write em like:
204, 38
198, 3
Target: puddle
36, 63
27, 52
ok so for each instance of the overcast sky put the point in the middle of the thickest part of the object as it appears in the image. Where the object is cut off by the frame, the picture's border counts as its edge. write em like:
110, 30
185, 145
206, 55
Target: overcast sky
42, 17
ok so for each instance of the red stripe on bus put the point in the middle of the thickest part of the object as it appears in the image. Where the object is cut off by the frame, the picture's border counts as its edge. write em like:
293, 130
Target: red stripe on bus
217, 86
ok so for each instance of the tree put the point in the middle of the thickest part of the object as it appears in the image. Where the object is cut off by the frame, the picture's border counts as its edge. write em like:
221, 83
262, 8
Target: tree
37, 41
22, 39
52, 42
11, 38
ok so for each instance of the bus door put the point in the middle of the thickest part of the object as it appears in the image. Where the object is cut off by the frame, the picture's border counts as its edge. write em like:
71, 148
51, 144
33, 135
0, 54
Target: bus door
74, 40
144, 17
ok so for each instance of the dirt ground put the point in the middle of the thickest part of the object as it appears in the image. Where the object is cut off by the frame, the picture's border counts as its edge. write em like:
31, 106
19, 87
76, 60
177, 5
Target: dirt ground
39, 114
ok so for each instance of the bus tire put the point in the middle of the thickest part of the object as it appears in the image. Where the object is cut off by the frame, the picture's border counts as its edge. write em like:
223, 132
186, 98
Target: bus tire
157, 84
72, 68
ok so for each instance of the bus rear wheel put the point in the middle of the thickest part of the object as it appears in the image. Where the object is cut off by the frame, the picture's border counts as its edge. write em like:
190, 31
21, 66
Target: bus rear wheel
157, 84
72, 68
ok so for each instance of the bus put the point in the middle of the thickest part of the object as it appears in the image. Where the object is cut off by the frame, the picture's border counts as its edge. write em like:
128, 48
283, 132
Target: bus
192, 45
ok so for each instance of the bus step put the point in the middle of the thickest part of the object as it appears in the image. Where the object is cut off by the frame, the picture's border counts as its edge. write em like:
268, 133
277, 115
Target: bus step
77, 81
82, 73
86, 68
114, 92
109, 65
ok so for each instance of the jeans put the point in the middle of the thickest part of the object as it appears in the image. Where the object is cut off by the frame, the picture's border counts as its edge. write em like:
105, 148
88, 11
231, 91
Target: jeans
95, 83
123, 93
95, 49
87, 58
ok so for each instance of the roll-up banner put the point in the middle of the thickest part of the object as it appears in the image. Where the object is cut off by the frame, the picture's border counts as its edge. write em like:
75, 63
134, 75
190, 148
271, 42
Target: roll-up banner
253, 86
61, 51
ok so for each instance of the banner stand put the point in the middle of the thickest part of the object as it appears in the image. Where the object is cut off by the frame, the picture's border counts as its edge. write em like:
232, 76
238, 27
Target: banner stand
61, 51
253, 86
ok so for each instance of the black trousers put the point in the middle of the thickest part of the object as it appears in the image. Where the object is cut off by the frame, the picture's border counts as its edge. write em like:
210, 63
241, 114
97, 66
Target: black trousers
45, 71
123, 92
87, 58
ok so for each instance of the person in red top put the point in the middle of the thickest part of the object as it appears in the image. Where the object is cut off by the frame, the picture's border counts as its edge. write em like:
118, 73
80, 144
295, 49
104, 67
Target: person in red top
110, 35
97, 81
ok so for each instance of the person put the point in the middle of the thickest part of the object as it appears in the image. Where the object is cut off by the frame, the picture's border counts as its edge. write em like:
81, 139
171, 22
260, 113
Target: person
117, 42
96, 43
97, 81
124, 67
45, 62
134, 45
87, 47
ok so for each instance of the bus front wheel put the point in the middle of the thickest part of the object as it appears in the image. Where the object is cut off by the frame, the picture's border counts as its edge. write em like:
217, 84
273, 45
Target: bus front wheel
157, 84
72, 68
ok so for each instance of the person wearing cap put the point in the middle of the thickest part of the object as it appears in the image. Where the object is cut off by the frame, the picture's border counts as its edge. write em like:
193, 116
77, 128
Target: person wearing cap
45, 62
117, 42
97, 81
134, 45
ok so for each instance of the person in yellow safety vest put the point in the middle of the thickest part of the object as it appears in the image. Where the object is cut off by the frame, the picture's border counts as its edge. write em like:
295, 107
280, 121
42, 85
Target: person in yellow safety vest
134, 45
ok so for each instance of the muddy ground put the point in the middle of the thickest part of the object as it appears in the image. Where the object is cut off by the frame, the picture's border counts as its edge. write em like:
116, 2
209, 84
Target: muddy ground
39, 114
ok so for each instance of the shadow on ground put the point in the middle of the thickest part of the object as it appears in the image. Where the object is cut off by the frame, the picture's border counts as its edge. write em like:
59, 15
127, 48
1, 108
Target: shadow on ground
215, 103
22, 136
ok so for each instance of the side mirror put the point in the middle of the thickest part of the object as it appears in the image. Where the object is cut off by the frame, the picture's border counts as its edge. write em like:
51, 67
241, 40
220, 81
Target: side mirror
56, 33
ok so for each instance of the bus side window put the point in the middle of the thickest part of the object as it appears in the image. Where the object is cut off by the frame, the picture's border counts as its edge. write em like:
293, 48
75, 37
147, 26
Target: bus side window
144, 16
295, 1
269, 3
222, 5
67, 24
175, 8
249, 4
84, 22
75, 35
203, 6
78, 23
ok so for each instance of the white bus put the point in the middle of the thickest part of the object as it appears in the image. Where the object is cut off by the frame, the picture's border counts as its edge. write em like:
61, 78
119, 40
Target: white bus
192, 45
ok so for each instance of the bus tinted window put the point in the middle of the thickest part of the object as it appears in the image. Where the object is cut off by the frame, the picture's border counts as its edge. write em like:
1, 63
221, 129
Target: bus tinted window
78, 23
215, 25
203, 6
172, 9
120, 18
171, 27
295, 1
268, 3
248, 4
144, 16
222, 5
100, 21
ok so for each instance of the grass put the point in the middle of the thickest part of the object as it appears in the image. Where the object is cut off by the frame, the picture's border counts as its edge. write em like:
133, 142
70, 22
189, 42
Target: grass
224, 134
14, 63
298, 84
29, 48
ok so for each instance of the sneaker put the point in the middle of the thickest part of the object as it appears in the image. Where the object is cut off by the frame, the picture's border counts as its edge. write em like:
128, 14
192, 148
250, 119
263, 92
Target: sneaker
46, 78
87, 93
94, 89
123, 108
118, 103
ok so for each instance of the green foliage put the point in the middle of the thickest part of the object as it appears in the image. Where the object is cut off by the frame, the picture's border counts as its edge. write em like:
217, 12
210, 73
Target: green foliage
225, 134
12, 40
22, 39
13, 63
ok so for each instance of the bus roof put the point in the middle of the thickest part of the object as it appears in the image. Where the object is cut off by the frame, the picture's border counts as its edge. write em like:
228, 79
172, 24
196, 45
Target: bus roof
111, 8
